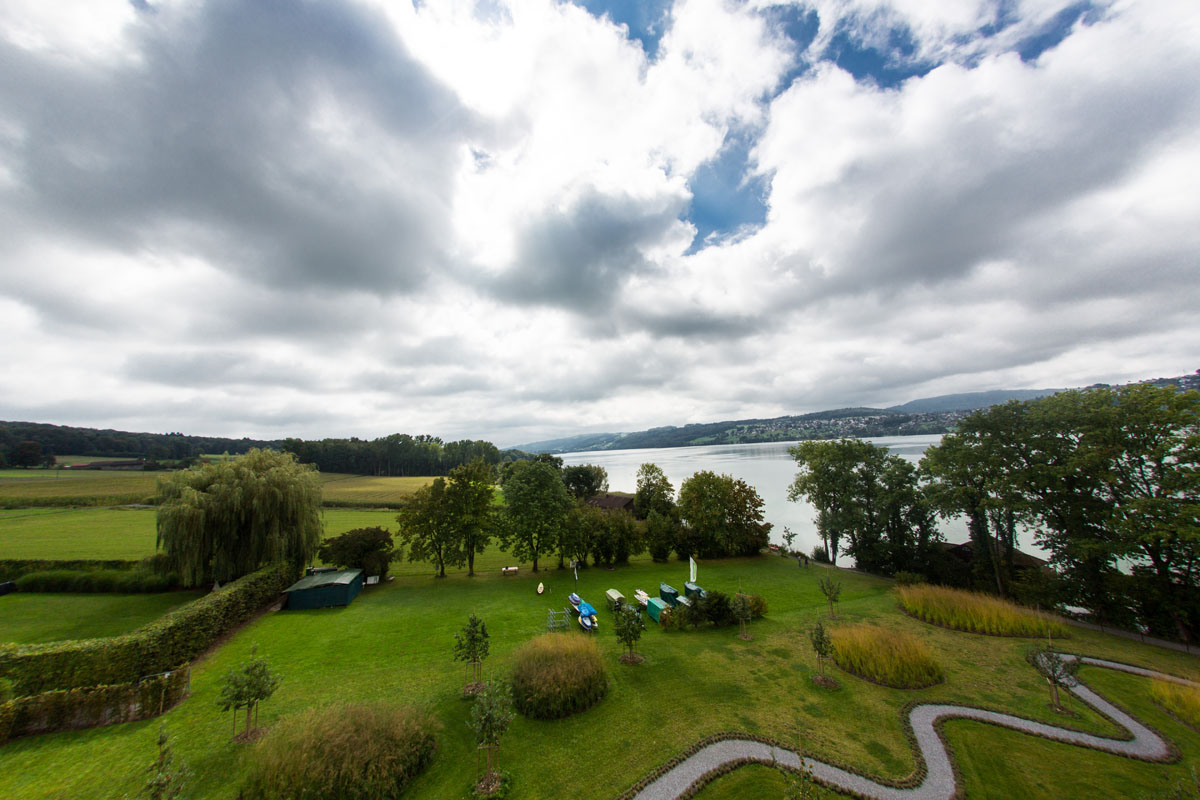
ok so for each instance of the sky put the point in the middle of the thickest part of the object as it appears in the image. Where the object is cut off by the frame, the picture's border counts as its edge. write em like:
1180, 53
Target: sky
518, 220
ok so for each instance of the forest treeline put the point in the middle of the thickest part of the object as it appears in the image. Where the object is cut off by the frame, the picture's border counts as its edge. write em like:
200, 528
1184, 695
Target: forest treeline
1106, 479
59, 440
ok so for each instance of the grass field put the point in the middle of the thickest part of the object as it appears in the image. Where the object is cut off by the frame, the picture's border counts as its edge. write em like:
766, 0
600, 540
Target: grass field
128, 533
394, 645
33, 618
34, 487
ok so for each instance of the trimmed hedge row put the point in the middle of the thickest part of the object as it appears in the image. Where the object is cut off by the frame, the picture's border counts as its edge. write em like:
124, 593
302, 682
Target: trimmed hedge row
125, 581
175, 638
69, 709
13, 568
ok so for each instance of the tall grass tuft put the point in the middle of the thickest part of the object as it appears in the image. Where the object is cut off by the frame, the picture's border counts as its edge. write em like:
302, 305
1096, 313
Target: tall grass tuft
1182, 701
885, 656
976, 613
557, 675
352, 752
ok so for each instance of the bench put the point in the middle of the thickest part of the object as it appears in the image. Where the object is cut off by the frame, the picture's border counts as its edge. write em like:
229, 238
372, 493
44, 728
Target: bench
508, 570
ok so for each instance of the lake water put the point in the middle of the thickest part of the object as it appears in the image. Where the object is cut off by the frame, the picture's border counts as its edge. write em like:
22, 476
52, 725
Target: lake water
767, 467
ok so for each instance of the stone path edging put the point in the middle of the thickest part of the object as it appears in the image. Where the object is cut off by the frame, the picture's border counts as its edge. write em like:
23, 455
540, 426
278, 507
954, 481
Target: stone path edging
939, 780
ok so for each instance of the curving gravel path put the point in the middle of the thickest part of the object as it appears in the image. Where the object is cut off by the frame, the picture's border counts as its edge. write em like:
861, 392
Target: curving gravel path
939, 782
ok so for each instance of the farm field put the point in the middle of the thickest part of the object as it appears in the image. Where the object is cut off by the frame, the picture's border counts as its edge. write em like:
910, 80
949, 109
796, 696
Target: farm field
393, 645
19, 487
39, 487
33, 618
367, 489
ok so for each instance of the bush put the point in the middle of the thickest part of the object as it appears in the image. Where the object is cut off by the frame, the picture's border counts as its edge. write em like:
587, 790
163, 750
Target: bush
174, 638
909, 578
368, 549
6, 690
885, 656
976, 613
821, 555
555, 676
1182, 701
350, 752
758, 605
137, 581
713, 608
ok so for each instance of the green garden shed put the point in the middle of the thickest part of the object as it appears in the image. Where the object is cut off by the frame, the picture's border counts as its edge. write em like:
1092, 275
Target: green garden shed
325, 589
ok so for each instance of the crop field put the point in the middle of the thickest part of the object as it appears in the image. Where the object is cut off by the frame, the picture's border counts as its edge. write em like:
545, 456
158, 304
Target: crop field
366, 489
34, 618
393, 645
39, 487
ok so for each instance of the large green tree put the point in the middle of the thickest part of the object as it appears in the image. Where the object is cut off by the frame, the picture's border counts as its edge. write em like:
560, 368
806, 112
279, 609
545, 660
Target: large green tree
827, 478
224, 520
427, 526
723, 516
536, 508
469, 495
585, 480
654, 492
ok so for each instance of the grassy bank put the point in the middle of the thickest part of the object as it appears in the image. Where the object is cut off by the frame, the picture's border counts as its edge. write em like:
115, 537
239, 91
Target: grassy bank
394, 644
34, 618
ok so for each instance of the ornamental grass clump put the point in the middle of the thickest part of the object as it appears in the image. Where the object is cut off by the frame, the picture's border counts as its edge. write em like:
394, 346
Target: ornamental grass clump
352, 752
1182, 701
976, 613
885, 656
558, 675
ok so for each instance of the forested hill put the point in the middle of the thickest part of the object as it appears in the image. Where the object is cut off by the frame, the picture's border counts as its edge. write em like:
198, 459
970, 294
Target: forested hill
926, 415
66, 440
818, 425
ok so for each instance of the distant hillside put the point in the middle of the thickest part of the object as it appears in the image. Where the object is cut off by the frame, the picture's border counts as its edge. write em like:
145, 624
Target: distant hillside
970, 401
924, 416
818, 425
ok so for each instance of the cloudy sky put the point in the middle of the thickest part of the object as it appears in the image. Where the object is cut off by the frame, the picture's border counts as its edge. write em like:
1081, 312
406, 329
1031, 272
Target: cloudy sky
514, 220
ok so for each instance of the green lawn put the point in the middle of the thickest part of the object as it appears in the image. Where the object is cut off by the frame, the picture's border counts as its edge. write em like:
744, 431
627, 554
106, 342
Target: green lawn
128, 533
393, 645
34, 618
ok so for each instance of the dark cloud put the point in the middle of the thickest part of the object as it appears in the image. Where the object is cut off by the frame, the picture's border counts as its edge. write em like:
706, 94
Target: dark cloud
212, 369
214, 140
581, 257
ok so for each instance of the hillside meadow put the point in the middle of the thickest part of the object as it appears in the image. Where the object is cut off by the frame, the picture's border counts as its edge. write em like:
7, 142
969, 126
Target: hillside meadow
393, 645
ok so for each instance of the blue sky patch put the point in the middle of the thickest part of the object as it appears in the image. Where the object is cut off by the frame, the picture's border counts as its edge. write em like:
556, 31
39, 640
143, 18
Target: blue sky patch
1054, 31
888, 68
721, 203
647, 20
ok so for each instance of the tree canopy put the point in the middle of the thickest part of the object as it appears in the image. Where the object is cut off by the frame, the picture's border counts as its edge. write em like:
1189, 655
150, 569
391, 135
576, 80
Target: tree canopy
723, 516
223, 520
536, 507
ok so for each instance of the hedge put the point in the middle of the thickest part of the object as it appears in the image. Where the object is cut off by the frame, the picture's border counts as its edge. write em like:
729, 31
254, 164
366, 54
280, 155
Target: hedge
13, 568
175, 638
68, 709
123, 581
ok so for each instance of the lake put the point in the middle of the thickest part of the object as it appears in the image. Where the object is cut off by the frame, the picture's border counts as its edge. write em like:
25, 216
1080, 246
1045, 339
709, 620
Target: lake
767, 467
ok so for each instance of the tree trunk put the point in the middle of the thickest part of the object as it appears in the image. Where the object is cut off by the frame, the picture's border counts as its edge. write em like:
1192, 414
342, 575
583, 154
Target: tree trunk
471, 562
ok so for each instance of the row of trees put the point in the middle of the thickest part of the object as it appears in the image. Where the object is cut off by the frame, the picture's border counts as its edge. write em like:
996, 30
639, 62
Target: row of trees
397, 454
870, 505
65, 440
1107, 479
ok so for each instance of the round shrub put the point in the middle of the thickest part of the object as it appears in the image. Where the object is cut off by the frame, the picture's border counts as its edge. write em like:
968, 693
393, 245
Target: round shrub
558, 675
885, 656
351, 751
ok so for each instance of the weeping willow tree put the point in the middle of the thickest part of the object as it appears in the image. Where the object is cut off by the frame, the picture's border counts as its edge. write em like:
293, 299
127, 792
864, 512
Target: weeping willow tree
224, 520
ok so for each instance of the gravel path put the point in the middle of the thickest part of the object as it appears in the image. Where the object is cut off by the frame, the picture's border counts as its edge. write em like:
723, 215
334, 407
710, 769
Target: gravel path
939, 775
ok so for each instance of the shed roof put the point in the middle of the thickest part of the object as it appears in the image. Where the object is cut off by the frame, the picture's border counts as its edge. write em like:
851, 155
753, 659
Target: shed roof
324, 579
